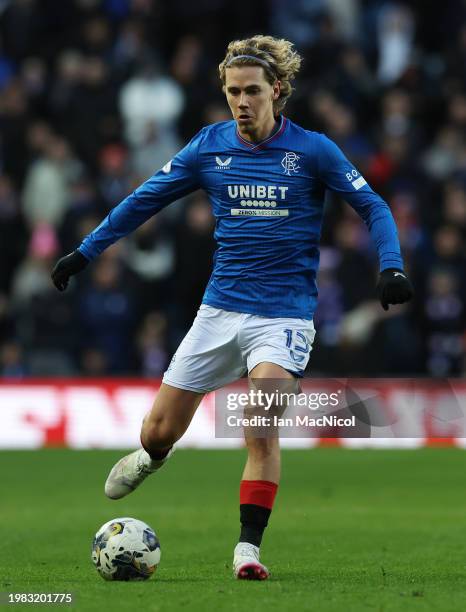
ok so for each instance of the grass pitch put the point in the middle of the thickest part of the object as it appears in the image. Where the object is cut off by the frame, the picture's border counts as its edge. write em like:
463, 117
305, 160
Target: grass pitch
352, 530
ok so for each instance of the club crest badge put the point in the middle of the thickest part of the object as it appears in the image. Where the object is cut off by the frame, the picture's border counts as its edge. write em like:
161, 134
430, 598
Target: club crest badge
290, 163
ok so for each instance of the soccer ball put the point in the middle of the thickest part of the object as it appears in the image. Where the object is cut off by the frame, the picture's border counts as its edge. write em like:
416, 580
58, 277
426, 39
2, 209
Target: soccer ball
126, 549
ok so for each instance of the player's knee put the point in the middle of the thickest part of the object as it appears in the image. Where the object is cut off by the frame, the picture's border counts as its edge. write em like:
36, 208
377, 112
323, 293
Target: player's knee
159, 433
262, 448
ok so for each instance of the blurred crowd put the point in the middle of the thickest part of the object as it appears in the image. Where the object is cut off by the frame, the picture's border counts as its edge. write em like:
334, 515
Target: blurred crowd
97, 95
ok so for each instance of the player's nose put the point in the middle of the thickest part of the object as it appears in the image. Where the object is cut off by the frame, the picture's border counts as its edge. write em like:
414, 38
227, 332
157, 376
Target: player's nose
243, 101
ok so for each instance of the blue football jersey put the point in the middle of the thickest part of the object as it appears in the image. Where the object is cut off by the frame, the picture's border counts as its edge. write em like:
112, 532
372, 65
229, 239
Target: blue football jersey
267, 199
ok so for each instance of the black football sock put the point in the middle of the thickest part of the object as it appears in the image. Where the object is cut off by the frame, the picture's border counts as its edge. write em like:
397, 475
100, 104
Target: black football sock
254, 520
158, 454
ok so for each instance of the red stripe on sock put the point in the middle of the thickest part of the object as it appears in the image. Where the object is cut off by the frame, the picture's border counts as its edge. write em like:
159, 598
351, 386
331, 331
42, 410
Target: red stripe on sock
258, 492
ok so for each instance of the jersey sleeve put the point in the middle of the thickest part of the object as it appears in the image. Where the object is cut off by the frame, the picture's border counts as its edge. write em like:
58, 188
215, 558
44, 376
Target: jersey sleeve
339, 175
176, 179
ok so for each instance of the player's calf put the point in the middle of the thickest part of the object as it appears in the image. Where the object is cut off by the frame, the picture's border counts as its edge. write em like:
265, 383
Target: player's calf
158, 435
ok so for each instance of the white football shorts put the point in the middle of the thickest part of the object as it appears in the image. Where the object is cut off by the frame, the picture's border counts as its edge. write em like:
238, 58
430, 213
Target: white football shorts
221, 346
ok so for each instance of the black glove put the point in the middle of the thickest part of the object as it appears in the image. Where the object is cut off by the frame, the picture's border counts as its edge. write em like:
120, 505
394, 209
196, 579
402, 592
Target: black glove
66, 267
394, 287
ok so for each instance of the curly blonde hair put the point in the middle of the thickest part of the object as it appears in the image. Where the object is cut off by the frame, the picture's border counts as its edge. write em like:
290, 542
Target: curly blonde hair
277, 57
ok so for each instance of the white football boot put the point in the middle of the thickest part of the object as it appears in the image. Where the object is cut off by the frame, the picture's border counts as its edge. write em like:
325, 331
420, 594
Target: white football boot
246, 564
128, 473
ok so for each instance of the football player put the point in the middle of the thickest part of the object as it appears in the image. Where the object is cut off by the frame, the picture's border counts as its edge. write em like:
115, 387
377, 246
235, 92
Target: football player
266, 179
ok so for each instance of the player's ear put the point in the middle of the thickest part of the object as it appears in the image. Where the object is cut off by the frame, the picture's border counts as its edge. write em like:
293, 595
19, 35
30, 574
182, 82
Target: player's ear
276, 90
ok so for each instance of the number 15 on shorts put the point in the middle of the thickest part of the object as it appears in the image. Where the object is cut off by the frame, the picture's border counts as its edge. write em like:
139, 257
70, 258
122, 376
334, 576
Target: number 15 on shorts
297, 343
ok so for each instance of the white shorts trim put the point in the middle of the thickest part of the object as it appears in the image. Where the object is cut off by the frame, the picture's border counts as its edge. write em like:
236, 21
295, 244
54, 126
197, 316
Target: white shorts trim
278, 362
184, 387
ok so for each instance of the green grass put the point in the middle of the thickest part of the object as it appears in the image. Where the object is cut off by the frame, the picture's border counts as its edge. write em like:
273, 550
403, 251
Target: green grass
352, 530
